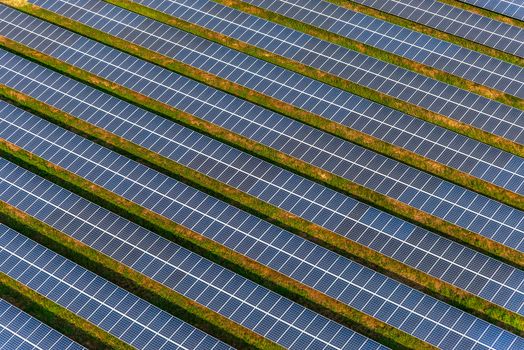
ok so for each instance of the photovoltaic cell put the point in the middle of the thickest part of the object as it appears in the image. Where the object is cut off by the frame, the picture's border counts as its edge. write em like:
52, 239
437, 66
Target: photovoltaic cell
283, 189
415, 188
512, 8
456, 21
433, 52
111, 308
400, 83
426, 139
21, 331
289, 254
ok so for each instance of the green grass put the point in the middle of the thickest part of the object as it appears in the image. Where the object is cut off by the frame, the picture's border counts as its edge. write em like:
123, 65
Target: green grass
220, 254
432, 31
386, 203
56, 316
280, 217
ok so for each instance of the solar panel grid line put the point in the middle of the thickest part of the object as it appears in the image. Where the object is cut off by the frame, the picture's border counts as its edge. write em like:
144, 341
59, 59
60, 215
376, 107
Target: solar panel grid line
483, 171
332, 212
310, 252
406, 297
514, 290
503, 7
446, 100
30, 331
456, 21
196, 339
404, 42
483, 206
178, 249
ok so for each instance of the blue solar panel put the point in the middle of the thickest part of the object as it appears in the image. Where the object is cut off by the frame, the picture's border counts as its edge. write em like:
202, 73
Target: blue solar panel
428, 140
436, 96
291, 255
511, 8
456, 21
113, 309
283, 189
436, 53
420, 190
20, 331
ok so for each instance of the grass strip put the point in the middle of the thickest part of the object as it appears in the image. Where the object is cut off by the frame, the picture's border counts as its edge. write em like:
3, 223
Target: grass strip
380, 54
56, 316
420, 162
284, 285
367, 256
389, 101
136, 283
485, 12
359, 192
486, 50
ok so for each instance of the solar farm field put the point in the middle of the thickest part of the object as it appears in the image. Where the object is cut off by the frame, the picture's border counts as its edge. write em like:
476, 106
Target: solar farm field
262, 174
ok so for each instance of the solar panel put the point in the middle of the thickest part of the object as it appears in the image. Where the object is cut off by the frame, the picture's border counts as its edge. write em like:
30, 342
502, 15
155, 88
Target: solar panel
511, 8
423, 138
111, 308
384, 175
456, 21
19, 330
187, 273
283, 189
405, 85
402, 41
317, 267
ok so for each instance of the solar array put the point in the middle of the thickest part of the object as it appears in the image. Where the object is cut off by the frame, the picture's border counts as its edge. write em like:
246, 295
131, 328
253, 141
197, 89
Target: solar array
187, 273
453, 20
397, 82
19, 330
512, 8
404, 42
342, 288
480, 160
420, 190
380, 231
95, 299
312, 265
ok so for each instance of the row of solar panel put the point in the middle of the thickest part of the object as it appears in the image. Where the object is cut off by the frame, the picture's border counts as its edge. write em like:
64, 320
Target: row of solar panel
436, 53
332, 210
319, 268
512, 8
437, 197
93, 298
397, 82
456, 21
187, 273
20, 331
437, 143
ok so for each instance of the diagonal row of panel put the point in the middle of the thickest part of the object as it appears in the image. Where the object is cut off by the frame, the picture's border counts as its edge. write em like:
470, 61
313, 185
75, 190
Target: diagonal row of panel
327, 208
456, 21
450, 202
185, 272
319, 268
436, 53
512, 8
19, 330
391, 80
473, 157
102, 303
